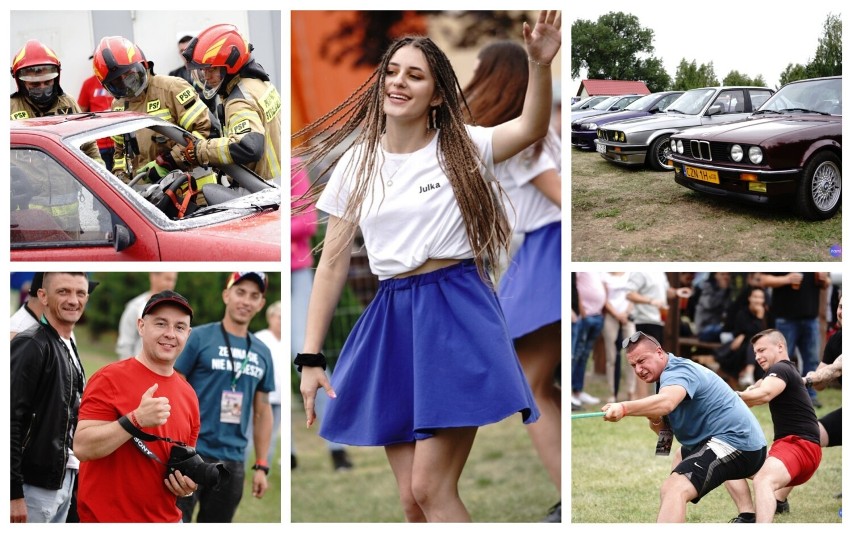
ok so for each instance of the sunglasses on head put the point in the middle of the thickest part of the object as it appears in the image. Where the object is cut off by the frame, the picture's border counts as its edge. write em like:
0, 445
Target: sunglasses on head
635, 338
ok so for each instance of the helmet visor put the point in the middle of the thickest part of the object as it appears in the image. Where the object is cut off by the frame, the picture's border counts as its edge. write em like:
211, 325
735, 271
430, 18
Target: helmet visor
38, 73
208, 78
129, 83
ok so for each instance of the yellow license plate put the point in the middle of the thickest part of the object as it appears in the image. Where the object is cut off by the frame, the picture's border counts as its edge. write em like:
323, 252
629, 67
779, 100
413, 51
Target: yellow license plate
700, 174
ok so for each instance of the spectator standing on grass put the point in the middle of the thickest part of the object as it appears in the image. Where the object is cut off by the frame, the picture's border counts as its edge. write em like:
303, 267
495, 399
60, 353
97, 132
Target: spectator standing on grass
127, 398
721, 440
129, 341
795, 453
585, 331
46, 383
232, 374
618, 324
795, 308
714, 297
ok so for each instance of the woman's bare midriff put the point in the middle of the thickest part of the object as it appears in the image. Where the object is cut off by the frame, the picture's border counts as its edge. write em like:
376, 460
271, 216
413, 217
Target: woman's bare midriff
429, 266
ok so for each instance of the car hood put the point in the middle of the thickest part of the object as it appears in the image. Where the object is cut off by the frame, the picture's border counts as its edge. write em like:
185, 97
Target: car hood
657, 122
757, 129
613, 117
580, 115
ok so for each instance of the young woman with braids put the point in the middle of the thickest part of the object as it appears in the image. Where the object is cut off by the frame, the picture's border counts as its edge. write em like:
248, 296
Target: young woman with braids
430, 360
530, 291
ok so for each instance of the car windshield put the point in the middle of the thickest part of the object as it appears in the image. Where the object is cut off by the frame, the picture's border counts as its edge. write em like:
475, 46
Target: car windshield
606, 104
819, 96
641, 103
691, 102
51, 183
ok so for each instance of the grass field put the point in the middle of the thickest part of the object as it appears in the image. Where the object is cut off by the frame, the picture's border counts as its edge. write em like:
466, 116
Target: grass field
626, 214
502, 482
97, 353
615, 476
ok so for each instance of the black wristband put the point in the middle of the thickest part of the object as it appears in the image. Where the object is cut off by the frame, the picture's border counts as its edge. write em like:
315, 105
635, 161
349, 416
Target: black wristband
309, 359
809, 382
264, 468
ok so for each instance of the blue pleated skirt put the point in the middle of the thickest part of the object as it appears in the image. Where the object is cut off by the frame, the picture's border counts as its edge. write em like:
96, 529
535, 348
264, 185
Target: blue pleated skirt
429, 352
531, 289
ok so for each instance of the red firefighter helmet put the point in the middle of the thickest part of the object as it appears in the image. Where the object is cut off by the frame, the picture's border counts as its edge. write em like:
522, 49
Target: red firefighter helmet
218, 52
121, 67
36, 63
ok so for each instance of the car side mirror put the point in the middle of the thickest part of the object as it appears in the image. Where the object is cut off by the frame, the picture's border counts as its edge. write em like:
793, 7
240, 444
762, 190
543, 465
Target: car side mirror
122, 239
715, 109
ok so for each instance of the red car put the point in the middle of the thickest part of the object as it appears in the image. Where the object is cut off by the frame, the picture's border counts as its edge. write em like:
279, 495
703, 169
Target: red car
67, 207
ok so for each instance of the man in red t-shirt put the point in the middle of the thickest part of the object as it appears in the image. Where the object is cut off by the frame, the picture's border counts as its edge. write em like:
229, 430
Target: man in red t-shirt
118, 481
93, 97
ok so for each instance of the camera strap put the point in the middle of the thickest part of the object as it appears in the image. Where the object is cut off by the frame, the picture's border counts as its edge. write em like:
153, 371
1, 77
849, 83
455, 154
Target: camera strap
139, 436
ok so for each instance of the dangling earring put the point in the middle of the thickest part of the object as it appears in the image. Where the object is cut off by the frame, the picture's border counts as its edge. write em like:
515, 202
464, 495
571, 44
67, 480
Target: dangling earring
433, 119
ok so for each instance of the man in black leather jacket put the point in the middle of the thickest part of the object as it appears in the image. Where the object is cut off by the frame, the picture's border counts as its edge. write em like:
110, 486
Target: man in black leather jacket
46, 381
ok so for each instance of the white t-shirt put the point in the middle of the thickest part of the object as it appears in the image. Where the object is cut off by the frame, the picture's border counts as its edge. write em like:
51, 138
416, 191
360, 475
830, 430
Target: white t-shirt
530, 209
21, 320
416, 217
276, 348
616, 287
652, 285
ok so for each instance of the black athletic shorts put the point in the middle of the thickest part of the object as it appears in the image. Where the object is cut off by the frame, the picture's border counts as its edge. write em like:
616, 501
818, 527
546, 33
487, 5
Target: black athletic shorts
832, 424
706, 471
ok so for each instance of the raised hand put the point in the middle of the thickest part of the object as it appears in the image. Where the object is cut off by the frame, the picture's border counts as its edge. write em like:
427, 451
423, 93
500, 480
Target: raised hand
152, 411
545, 39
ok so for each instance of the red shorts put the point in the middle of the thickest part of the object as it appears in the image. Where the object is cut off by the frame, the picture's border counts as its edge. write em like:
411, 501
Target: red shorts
801, 457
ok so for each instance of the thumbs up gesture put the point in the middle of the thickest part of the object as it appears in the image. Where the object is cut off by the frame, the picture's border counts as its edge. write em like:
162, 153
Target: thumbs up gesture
152, 411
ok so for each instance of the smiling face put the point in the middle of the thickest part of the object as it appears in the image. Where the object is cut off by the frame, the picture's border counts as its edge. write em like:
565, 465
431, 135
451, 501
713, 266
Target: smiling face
409, 85
64, 298
164, 331
242, 301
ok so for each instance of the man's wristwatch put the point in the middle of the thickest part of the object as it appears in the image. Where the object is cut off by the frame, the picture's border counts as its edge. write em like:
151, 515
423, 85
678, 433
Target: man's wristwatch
264, 468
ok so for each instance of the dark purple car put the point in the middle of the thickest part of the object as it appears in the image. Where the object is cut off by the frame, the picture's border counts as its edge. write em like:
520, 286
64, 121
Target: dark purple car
788, 151
584, 130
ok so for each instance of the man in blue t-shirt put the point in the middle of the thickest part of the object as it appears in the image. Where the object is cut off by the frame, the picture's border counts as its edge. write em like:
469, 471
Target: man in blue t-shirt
232, 374
720, 437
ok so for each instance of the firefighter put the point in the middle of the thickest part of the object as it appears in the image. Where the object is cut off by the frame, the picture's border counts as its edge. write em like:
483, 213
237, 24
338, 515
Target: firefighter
125, 73
36, 70
221, 63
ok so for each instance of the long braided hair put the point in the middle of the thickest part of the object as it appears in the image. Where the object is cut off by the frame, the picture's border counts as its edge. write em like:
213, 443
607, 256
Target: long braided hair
360, 121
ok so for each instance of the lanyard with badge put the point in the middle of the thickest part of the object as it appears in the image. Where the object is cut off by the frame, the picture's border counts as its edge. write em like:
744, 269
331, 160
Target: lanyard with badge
231, 409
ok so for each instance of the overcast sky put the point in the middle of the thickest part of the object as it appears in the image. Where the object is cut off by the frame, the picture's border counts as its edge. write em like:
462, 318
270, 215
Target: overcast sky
753, 37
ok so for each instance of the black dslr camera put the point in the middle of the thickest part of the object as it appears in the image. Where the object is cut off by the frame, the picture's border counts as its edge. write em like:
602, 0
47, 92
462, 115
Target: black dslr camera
190, 464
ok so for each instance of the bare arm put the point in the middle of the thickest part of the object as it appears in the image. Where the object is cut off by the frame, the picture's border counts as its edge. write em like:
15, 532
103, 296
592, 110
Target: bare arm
549, 183
826, 373
653, 407
542, 43
262, 436
767, 389
330, 276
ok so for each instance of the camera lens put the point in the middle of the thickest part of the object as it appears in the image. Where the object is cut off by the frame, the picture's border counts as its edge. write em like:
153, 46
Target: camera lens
186, 460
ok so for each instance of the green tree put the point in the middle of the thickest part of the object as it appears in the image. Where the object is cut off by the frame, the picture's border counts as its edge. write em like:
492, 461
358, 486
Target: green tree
652, 72
691, 76
828, 59
611, 47
734, 77
793, 73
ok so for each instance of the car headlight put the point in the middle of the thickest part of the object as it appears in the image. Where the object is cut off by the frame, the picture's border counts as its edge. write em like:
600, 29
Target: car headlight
755, 155
737, 153
673, 145
591, 126
680, 146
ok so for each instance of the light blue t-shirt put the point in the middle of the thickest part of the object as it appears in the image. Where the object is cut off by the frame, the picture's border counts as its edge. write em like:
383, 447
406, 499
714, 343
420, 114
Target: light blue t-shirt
710, 409
207, 367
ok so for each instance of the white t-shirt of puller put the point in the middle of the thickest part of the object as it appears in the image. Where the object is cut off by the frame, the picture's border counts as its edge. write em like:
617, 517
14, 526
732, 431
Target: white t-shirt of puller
529, 209
412, 214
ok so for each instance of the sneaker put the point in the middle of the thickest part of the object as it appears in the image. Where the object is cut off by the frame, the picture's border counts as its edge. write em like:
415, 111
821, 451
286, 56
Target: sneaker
340, 460
743, 518
782, 507
575, 402
575, 407
588, 398
554, 514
